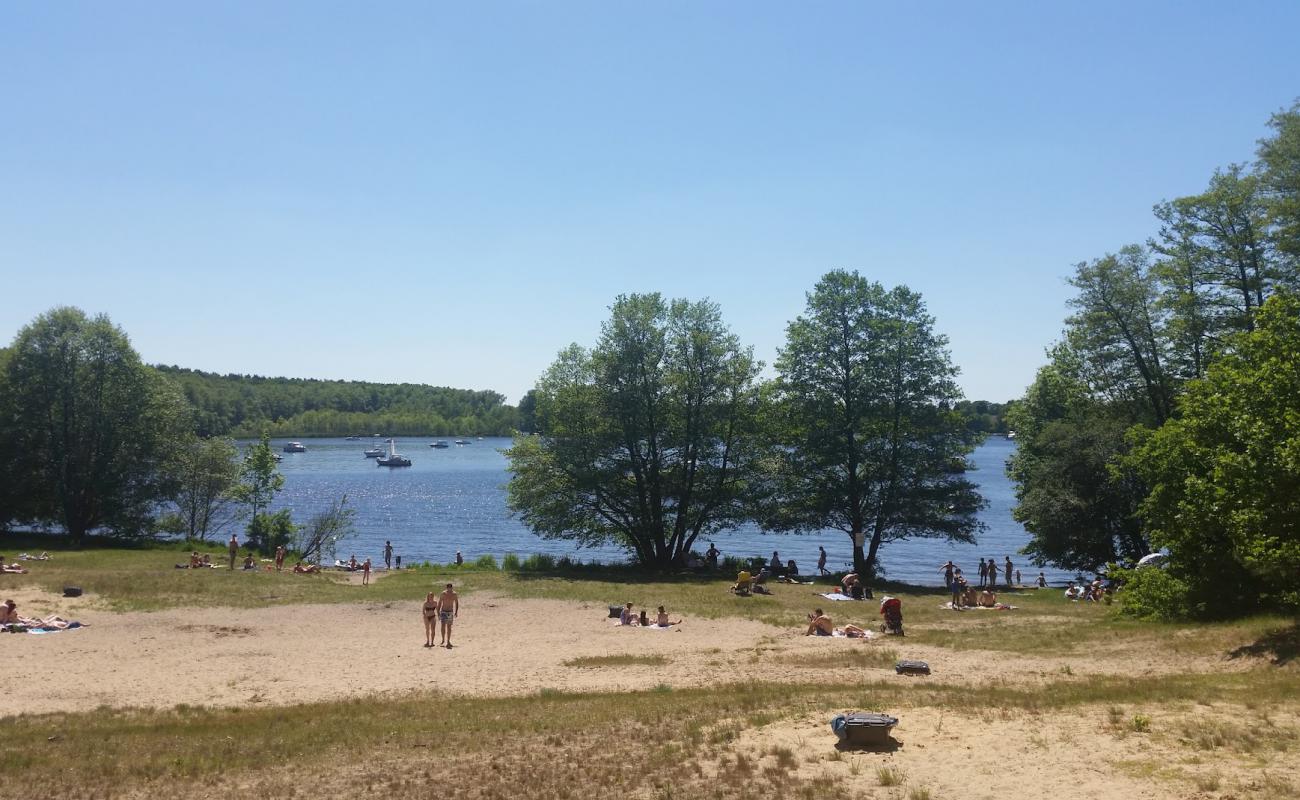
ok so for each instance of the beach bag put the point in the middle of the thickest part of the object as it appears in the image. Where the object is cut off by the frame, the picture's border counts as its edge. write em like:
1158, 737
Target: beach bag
615, 612
858, 592
906, 667
72, 591
863, 728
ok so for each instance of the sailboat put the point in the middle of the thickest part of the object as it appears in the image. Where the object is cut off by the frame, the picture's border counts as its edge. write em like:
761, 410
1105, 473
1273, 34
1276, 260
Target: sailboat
394, 458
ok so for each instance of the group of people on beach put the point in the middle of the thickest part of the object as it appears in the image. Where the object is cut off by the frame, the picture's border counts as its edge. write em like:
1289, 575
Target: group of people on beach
630, 617
13, 622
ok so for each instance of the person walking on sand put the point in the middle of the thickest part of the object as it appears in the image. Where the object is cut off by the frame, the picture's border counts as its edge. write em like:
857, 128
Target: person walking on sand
388, 555
1006, 569
448, 610
430, 614
365, 572
234, 550
821, 561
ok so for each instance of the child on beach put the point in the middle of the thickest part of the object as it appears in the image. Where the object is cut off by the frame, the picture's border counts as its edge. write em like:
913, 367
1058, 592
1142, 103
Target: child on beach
365, 573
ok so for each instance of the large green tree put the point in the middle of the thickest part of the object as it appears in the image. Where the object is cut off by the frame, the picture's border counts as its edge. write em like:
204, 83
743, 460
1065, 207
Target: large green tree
1279, 157
88, 428
1225, 476
648, 439
865, 411
259, 482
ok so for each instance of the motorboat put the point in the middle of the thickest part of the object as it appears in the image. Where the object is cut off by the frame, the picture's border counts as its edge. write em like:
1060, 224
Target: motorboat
441, 445
462, 442
295, 447
352, 439
393, 459
375, 452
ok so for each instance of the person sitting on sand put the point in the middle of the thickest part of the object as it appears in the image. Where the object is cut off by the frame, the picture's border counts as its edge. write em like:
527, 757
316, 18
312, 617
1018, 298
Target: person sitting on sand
662, 620
969, 597
819, 624
644, 619
759, 584
791, 568
8, 613
988, 599
1072, 592
205, 560
249, 563
627, 616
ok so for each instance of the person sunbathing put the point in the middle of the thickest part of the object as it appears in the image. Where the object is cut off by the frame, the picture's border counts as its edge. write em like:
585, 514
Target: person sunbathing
854, 632
627, 616
306, 569
662, 620
13, 569
819, 624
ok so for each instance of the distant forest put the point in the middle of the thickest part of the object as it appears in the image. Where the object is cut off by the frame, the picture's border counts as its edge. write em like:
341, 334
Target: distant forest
983, 416
246, 405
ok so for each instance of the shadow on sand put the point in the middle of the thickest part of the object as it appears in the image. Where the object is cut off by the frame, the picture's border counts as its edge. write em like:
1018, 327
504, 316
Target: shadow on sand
888, 746
1280, 646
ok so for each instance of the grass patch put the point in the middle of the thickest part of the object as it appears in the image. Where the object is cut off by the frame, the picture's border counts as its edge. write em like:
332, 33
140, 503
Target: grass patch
618, 660
889, 776
861, 658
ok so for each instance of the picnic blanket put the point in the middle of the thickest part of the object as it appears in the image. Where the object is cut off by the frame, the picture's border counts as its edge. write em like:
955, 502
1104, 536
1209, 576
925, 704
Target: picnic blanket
837, 596
650, 627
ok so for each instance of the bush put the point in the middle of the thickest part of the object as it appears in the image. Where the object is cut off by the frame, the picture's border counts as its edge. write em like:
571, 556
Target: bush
510, 562
268, 531
487, 561
539, 562
1154, 593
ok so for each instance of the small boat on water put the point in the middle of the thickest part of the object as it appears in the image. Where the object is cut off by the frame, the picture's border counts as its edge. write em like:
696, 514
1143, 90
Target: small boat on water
462, 442
295, 447
352, 439
375, 452
393, 459
441, 445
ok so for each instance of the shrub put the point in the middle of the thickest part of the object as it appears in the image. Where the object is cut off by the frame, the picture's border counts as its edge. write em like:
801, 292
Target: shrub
510, 562
1154, 593
486, 561
539, 562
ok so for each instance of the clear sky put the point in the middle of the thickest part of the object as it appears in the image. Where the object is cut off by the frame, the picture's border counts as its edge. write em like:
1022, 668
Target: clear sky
450, 193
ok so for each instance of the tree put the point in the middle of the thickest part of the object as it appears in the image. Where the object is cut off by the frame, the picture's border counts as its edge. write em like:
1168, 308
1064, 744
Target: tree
259, 482
321, 535
1225, 477
865, 399
1078, 505
528, 412
87, 428
206, 472
1279, 157
648, 440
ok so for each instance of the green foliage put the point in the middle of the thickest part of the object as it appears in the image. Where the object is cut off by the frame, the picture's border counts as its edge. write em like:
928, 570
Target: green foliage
248, 405
984, 417
485, 561
649, 439
538, 562
206, 472
269, 531
1156, 594
1279, 157
85, 427
863, 406
1225, 477
1076, 502
510, 562
259, 478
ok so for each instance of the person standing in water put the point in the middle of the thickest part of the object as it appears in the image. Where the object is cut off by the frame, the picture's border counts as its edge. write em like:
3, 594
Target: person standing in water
448, 610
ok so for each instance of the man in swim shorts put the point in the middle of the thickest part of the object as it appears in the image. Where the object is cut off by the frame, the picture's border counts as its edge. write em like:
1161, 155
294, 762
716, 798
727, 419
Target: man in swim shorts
448, 610
819, 624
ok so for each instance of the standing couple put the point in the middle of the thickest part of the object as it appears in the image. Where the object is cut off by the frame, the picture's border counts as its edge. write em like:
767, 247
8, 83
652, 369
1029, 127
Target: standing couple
440, 610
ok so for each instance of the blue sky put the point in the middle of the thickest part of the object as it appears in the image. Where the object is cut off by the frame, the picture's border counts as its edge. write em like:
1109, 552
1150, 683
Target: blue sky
451, 193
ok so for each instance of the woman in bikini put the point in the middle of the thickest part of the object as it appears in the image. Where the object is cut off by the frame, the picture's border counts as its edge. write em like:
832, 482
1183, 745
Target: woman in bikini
430, 618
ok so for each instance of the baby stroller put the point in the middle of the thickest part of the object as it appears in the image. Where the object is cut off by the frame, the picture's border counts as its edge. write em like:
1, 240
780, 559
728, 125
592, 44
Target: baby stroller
891, 608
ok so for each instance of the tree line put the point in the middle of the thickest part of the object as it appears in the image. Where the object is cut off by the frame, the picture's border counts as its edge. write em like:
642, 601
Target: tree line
1166, 416
247, 405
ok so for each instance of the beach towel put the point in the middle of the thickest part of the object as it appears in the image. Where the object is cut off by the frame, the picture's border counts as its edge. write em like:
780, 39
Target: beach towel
998, 607
72, 626
838, 634
837, 596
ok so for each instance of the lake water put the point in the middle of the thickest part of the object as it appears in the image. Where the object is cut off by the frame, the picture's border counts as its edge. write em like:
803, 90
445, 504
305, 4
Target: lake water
454, 499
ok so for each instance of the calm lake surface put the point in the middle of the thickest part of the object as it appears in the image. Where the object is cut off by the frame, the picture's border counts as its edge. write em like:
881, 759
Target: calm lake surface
454, 499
